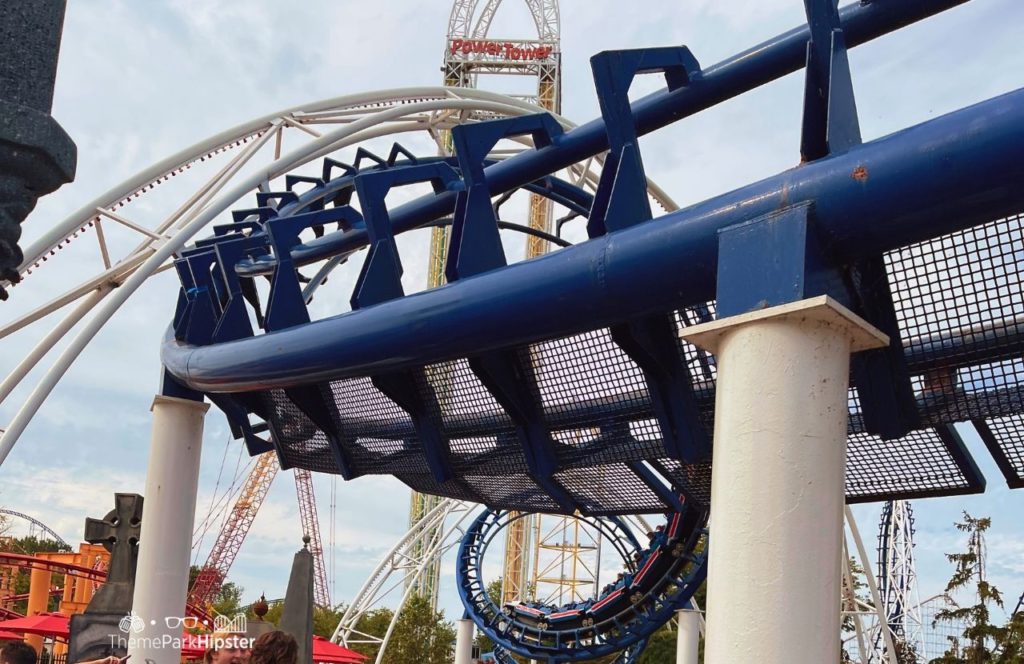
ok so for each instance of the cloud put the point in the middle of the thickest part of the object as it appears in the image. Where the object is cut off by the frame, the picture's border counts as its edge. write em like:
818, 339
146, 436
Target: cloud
138, 81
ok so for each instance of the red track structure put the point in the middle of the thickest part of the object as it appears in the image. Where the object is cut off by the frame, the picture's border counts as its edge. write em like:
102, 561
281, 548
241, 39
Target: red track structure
229, 540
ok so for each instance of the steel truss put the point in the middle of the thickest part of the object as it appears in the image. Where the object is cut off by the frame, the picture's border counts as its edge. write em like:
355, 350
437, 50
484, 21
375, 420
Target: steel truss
310, 131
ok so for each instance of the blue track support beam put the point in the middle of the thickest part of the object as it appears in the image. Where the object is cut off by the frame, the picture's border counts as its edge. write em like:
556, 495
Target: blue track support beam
651, 342
381, 276
666, 494
1004, 463
882, 376
830, 110
513, 384
831, 126
475, 248
621, 202
621, 199
475, 244
380, 280
286, 306
956, 171
201, 310
315, 402
413, 394
234, 321
773, 59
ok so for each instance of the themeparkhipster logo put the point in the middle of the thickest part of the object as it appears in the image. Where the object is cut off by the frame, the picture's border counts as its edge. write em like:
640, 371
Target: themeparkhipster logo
228, 632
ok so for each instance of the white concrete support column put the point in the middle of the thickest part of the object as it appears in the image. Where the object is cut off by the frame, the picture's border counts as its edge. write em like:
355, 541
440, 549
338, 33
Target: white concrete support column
464, 642
688, 640
777, 491
165, 541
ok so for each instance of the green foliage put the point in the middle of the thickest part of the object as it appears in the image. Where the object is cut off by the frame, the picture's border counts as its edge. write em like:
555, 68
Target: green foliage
376, 623
324, 619
982, 641
421, 636
661, 647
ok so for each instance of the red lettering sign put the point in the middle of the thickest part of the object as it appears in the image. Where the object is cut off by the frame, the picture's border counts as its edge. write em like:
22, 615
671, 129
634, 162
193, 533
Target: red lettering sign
509, 50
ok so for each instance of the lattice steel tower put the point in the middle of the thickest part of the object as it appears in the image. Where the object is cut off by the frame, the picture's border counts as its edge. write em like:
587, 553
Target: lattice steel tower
468, 53
897, 577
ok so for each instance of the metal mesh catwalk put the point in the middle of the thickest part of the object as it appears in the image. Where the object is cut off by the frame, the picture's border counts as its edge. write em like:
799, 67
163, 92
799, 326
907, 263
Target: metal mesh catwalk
961, 289
561, 383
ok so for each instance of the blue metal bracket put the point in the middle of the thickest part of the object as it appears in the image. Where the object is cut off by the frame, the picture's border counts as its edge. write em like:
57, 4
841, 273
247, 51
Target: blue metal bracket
620, 202
830, 110
238, 420
831, 126
665, 493
621, 198
331, 164
768, 261
475, 244
286, 306
414, 394
263, 214
888, 404
199, 314
652, 344
380, 279
171, 387
266, 198
778, 258
291, 180
314, 402
234, 320
512, 383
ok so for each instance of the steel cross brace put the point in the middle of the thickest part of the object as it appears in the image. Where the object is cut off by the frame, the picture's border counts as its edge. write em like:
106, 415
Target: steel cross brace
202, 316
475, 247
286, 308
621, 202
380, 280
830, 126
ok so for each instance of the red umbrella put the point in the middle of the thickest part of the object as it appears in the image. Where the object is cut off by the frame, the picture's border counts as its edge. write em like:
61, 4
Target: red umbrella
326, 652
9, 636
42, 624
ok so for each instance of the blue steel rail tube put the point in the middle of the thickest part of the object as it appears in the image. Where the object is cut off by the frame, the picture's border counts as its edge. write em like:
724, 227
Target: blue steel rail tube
956, 171
761, 64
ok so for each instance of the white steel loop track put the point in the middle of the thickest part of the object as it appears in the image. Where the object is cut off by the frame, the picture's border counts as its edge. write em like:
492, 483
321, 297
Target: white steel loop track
407, 560
348, 120
354, 118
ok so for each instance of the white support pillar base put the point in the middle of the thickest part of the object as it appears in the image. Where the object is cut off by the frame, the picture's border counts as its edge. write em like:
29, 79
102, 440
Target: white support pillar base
688, 641
165, 542
777, 484
464, 642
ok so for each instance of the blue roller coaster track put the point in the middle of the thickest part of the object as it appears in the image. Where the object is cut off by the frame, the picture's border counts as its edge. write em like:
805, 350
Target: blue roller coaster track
659, 580
560, 384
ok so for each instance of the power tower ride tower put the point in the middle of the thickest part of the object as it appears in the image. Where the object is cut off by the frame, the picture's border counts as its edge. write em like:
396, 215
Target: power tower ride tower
897, 579
471, 52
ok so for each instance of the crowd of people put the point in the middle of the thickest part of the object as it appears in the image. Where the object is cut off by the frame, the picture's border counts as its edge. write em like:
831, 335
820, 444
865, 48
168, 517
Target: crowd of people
275, 647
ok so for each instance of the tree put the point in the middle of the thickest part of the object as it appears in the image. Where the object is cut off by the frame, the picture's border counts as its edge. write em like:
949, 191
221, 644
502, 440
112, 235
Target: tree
983, 642
661, 647
373, 623
421, 636
325, 620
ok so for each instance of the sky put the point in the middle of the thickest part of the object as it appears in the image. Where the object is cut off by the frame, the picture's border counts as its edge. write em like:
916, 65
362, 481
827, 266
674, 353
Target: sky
137, 81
